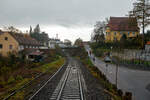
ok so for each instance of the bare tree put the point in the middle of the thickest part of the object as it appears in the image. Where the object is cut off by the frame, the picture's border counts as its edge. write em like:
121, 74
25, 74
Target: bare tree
141, 11
37, 29
99, 30
30, 31
12, 29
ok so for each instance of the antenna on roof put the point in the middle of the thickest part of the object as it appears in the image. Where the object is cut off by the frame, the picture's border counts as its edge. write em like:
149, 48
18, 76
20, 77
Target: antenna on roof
56, 36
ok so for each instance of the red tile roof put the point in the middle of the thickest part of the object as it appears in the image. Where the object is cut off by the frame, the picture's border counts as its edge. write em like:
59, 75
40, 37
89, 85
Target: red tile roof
148, 43
123, 24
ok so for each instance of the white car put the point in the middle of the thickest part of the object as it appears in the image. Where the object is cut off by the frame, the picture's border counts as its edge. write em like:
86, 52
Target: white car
107, 59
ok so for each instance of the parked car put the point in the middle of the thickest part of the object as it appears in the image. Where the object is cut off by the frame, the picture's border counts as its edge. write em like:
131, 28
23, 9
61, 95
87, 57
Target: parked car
38, 59
107, 59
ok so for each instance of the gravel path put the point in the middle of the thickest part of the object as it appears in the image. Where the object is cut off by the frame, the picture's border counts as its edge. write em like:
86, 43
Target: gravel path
94, 90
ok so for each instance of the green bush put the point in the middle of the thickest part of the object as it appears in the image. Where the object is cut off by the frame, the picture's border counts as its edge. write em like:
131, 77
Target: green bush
19, 77
2, 82
89, 62
11, 80
5, 70
120, 93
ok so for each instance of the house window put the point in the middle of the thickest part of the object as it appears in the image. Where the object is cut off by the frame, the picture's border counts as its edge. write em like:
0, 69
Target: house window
133, 33
115, 39
128, 33
6, 38
21, 47
1, 46
10, 46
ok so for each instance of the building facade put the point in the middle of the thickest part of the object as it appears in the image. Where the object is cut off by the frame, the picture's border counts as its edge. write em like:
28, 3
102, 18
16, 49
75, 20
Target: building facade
15, 42
118, 26
56, 42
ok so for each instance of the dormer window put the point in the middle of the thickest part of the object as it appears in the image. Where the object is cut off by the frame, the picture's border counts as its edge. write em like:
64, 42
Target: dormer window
10, 46
128, 33
6, 38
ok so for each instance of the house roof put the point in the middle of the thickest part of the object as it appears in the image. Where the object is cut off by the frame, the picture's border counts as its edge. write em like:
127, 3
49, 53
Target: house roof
29, 50
123, 24
36, 53
23, 39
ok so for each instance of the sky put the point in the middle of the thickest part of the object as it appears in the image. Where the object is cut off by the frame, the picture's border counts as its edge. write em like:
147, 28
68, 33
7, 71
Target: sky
70, 19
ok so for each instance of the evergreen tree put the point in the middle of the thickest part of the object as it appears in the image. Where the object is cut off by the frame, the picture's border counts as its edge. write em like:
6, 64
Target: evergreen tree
78, 42
123, 41
30, 31
37, 29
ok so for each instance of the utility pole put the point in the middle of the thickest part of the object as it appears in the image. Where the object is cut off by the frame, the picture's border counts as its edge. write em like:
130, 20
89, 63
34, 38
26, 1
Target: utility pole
106, 69
117, 75
117, 65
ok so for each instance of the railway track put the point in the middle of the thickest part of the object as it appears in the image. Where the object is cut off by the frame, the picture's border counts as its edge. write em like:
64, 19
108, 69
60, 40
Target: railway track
69, 87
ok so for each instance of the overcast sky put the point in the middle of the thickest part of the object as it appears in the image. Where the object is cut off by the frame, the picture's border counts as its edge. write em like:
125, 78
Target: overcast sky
69, 18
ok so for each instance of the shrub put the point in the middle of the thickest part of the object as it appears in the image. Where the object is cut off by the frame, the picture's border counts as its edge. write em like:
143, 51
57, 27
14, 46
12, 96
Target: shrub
114, 87
2, 82
5, 70
128, 96
120, 93
11, 80
18, 96
19, 77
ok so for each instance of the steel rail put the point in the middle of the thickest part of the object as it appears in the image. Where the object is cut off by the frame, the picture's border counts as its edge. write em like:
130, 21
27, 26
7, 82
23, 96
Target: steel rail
80, 86
63, 85
46, 83
65, 81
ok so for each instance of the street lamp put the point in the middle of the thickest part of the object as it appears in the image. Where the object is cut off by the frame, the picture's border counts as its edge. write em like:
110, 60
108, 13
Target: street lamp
117, 67
111, 49
116, 75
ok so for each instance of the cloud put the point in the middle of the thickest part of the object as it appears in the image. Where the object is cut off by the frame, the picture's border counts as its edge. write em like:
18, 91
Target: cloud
60, 12
69, 18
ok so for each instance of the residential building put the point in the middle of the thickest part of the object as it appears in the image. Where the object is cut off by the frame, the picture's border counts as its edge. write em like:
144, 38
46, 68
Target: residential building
43, 38
117, 26
53, 42
15, 42
67, 43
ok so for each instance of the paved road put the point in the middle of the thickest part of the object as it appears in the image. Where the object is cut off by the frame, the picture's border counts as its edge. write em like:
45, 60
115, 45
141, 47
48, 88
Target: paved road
134, 81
